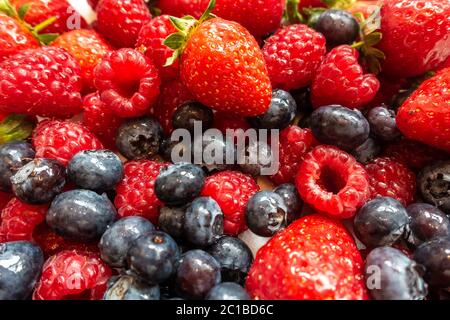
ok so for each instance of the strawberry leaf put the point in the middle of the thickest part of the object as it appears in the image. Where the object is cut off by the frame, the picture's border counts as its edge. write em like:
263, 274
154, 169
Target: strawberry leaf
15, 127
23, 11
175, 40
47, 38
172, 59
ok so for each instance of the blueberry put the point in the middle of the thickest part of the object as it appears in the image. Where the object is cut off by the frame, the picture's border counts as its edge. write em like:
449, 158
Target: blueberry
190, 112
213, 151
153, 257
97, 170
288, 192
339, 126
13, 155
367, 152
427, 222
179, 183
302, 98
130, 288
20, 267
81, 215
281, 112
198, 272
139, 138
381, 222
39, 181
266, 213
228, 291
179, 148
382, 123
234, 257
391, 275
434, 255
203, 222
338, 27
171, 220
117, 240
255, 158
433, 183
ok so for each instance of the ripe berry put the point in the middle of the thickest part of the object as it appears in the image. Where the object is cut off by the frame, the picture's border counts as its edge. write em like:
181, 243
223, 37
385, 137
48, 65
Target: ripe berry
171, 221
13, 155
222, 155
338, 27
382, 123
367, 152
434, 256
288, 192
128, 287
181, 8
434, 185
256, 157
190, 112
227, 291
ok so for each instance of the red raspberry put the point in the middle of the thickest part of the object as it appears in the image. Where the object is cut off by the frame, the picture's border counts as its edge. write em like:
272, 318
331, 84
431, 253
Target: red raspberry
73, 275
389, 178
4, 199
231, 190
181, 8
45, 81
340, 80
315, 258
294, 143
136, 192
292, 56
93, 3
151, 42
128, 82
121, 20
224, 121
61, 140
332, 181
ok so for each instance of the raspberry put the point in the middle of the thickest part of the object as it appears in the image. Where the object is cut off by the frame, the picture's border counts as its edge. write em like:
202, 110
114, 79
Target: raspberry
294, 143
181, 8
61, 140
292, 56
333, 182
45, 81
389, 178
340, 80
136, 192
231, 190
224, 121
4, 199
127, 82
73, 275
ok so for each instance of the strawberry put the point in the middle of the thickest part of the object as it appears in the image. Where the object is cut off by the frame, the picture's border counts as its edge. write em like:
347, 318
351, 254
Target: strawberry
315, 258
14, 37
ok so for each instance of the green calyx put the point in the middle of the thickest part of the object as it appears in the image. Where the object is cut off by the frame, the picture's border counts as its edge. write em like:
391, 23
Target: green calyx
15, 127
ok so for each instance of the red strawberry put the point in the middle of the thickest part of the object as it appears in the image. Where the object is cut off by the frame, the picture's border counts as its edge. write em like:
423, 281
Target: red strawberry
425, 115
315, 258
181, 8
340, 80
415, 36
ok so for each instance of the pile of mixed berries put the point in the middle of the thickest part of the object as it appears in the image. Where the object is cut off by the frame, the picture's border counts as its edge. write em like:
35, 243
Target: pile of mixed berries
93, 206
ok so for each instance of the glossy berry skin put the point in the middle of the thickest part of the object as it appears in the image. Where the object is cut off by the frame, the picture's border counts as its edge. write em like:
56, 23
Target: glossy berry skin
433, 184
338, 27
382, 123
400, 278
293, 55
81, 215
245, 88
139, 138
231, 190
288, 192
121, 20
381, 222
130, 288
117, 240
198, 272
341, 80
434, 255
228, 291
97, 170
181, 8
45, 81
190, 112
332, 182
256, 158
20, 266
39, 181
128, 82
224, 156
61, 140
367, 151
13, 155
339, 126
73, 274
171, 221
315, 258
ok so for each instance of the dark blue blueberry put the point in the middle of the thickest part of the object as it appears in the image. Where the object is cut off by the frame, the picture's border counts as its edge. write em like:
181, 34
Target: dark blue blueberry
81, 215
368, 151
427, 222
13, 155
433, 183
97, 170
213, 151
434, 255
234, 257
153, 257
198, 272
288, 192
190, 112
338, 27
391, 275
130, 288
381, 222
171, 220
281, 112
382, 123
228, 291
339, 126
266, 213
255, 158
203, 221
139, 138
39, 181
302, 98
179, 148
179, 183
117, 240
20, 267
